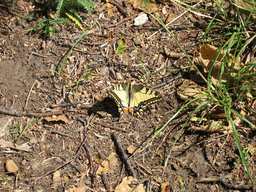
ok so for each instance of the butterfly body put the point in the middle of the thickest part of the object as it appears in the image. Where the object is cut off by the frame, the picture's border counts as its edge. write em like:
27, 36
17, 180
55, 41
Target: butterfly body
132, 98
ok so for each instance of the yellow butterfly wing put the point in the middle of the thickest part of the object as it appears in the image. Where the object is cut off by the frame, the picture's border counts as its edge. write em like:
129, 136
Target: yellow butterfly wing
141, 96
120, 93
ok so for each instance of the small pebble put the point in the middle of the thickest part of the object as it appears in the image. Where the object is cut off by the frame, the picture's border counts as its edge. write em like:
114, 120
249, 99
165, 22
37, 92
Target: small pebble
141, 19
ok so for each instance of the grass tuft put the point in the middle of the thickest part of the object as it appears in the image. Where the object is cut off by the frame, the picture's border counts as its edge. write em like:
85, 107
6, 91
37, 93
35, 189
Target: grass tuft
232, 87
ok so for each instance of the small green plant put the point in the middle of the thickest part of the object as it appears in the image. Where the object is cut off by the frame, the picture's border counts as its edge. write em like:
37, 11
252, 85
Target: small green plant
71, 6
64, 10
121, 47
48, 27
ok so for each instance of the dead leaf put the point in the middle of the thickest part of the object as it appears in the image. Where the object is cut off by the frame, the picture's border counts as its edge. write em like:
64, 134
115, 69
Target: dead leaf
11, 166
149, 7
126, 185
57, 118
211, 59
189, 89
207, 55
108, 165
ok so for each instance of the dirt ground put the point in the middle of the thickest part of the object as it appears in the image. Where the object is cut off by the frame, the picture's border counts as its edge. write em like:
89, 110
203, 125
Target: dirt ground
56, 152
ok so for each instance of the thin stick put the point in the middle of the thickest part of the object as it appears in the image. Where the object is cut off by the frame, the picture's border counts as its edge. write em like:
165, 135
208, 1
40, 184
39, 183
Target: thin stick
39, 55
34, 114
122, 155
86, 147
104, 125
29, 94
54, 170
31, 114
221, 180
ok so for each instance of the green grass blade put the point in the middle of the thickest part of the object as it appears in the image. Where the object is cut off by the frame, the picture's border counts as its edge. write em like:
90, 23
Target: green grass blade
60, 7
236, 137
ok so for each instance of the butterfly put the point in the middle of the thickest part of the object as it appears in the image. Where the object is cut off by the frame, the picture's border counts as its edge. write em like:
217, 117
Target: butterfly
133, 98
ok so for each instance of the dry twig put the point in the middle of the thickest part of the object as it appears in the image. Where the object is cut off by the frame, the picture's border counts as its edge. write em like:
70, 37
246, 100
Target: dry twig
35, 114
226, 184
29, 94
123, 156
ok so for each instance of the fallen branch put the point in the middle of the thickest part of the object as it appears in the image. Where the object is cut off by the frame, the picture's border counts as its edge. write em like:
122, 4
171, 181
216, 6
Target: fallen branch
38, 114
122, 155
85, 145
32, 114
226, 184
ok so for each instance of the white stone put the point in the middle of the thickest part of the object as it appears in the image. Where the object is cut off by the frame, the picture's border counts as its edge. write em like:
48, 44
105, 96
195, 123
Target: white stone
141, 19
